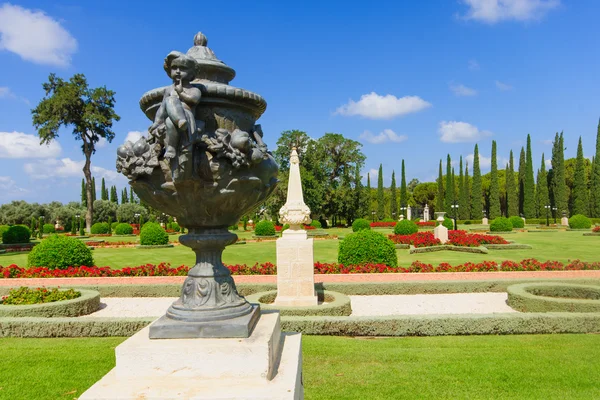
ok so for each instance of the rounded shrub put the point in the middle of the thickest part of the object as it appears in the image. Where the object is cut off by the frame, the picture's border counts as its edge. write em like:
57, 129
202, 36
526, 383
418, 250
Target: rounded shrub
405, 227
360, 224
16, 234
388, 220
48, 228
501, 224
367, 246
448, 223
123, 229
60, 252
580, 221
3, 228
517, 222
173, 226
114, 225
316, 224
264, 228
100, 228
152, 234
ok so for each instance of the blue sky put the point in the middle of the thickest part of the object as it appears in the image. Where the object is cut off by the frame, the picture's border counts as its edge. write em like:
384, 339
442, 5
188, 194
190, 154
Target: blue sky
413, 80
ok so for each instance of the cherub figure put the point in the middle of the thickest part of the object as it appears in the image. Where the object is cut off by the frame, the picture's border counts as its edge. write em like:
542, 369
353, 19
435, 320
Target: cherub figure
175, 116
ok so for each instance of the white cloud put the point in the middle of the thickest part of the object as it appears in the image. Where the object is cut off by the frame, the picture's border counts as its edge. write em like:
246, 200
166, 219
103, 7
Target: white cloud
101, 142
389, 106
459, 132
492, 11
548, 142
548, 163
9, 186
134, 136
485, 163
473, 65
382, 137
22, 145
66, 168
6, 93
462, 90
503, 86
35, 36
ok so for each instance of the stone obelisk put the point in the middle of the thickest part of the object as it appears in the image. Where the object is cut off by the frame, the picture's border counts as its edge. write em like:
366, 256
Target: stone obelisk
295, 265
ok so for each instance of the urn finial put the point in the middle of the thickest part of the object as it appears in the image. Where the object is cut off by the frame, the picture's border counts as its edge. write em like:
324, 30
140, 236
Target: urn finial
200, 39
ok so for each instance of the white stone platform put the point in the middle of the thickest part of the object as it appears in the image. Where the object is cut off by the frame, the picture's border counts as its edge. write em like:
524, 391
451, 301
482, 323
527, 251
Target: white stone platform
267, 365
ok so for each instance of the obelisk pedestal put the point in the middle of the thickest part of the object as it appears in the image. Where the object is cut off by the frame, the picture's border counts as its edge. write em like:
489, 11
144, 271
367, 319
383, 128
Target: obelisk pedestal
295, 270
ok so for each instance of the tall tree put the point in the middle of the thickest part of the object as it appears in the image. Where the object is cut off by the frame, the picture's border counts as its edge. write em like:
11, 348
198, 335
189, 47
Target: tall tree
529, 186
361, 201
579, 195
467, 190
512, 196
522, 168
449, 189
83, 193
439, 205
393, 196
103, 191
380, 194
541, 190
93, 189
476, 190
559, 183
90, 112
131, 195
494, 185
403, 188
113, 195
595, 180
124, 198
463, 202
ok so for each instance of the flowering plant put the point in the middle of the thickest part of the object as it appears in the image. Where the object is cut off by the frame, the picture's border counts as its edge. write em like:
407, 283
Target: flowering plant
381, 224
419, 239
596, 229
426, 223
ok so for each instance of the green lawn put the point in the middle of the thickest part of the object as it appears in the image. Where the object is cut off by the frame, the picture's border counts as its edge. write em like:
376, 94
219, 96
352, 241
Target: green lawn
562, 246
469, 367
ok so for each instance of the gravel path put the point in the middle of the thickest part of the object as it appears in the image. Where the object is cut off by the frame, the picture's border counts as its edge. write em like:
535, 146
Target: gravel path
363, 306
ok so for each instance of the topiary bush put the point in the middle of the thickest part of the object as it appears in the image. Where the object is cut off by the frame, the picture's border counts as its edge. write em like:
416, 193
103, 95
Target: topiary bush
3, 228
517, 222
60, 252
123, 229
316, 224
174, 226
501, 224
448, 223
100, 228
580, 221
405, 227
264, 228
152, 234
360, 224
114, 225
16, 234
367, 246
48, 228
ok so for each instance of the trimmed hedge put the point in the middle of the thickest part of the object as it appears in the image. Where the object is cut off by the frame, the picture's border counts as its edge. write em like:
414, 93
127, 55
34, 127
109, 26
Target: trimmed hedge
48, 228
337, 304
501, 224
100, 228
152, 234
517, 222
264, 228
16, 234
579, 221
449, 223
87, 303
316, 224
123, 229
405, 227
510, 246
360, 224
367, 246
554, 297
60, 252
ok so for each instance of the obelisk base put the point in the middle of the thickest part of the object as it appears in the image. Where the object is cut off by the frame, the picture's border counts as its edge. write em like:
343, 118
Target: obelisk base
295, 270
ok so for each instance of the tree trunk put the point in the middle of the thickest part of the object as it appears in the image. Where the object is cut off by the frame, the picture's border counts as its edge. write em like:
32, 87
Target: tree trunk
88, 187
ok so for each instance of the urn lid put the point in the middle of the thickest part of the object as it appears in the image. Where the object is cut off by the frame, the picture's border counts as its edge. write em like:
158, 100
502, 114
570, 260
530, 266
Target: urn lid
209, 66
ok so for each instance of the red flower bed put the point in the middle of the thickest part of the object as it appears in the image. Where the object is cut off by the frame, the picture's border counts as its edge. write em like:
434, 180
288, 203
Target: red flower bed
18, 247
462, 238
109, 244
381, 224
419, 239
596, 229
426, 223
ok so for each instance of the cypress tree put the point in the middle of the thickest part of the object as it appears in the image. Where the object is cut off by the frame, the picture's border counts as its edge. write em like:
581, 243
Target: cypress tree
529, 186
131, 196
73, 226
94, 188
559, 183
439, 205
124, 197
595, 180
512, 197
113, 195
494, 185
393, 197
467, 188
476, 191
368, 191
541, 192
360, 200
449, 198
403, 190
103, 191
579, 196
463, 202
522, 168
83, 195
380, 195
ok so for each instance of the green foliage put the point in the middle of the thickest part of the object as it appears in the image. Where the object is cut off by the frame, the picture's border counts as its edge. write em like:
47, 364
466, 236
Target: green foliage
16, 234
360, 224
501, 224
113, 225
517, 222
48, 228
174, 226
439, 205
152, 234
476, 189
558, 194
579, 195
521, 179
81, 227
494, 185
405, 227
541, 191
512, 196
105, 210
123, 228
380, 195
529, 184
316, 224
403, 189
595, 180
393, 195
126, 212
100, 228
580, 221
3, 228
25, 295
449, 187
60, 252
367, 246
448, 223
463, 197
264, 228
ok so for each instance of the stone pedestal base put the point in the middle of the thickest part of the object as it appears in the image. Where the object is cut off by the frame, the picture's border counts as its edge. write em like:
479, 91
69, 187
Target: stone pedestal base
441, 232
267, 365
295, 270
564, 221
484, 221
